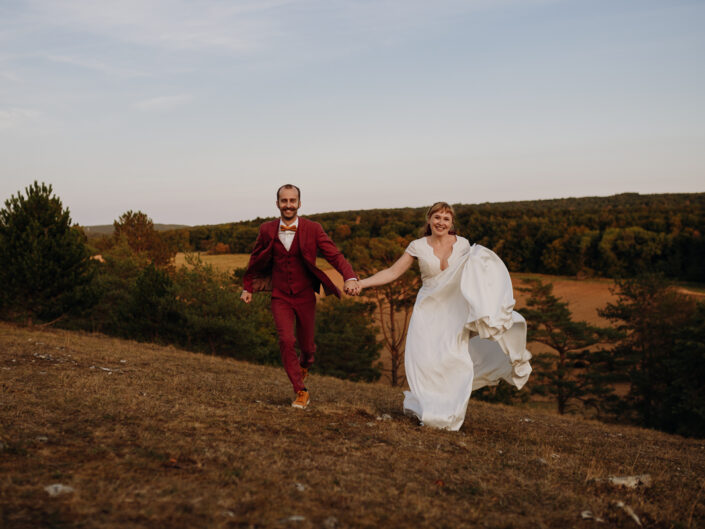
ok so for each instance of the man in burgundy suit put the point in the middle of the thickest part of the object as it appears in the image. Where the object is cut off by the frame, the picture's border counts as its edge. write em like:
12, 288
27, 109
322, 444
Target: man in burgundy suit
284, 261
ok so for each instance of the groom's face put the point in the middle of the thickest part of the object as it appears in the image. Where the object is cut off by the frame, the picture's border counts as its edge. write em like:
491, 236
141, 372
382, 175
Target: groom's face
288, 203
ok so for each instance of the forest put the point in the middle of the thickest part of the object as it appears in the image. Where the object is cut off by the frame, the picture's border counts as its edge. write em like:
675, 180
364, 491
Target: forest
616, 236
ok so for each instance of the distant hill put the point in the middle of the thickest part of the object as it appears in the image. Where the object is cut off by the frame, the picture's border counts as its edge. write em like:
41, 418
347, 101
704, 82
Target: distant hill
151, 436
107, 229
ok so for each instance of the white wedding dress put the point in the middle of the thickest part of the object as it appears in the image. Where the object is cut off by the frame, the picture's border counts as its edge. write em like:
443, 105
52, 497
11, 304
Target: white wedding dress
443, 364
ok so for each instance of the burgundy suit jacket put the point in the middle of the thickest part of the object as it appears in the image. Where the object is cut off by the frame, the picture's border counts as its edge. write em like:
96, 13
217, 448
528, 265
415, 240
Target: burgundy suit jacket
311, 239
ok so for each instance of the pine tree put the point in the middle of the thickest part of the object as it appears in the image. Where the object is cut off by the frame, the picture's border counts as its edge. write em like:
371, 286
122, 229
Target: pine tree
346, 342
571, 371
660, 350
685, 400
44, 262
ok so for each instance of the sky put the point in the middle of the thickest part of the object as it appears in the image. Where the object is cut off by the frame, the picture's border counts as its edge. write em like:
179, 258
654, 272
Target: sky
194, 112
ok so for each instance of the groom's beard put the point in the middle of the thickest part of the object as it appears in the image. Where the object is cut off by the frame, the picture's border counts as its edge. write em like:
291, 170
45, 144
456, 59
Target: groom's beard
289, 214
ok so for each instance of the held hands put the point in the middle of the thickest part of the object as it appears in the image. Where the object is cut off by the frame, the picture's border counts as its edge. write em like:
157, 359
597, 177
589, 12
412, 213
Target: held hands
246, 296
352, 287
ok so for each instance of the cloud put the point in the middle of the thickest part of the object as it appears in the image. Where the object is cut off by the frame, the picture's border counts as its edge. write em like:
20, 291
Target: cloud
230, 26
162, 103
9, 76
96, 65
14, 117
238, 26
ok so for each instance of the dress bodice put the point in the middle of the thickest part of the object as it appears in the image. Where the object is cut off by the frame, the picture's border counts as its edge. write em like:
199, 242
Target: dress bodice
429, 263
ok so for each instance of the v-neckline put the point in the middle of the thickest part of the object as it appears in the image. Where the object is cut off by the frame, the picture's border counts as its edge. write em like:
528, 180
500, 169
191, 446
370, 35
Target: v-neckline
433, 251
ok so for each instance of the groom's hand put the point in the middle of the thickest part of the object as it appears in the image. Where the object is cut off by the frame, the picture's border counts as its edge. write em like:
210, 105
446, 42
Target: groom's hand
246, 296
352, 287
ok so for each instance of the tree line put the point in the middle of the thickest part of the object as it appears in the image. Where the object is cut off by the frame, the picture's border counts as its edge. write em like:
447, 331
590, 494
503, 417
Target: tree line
655, 348
617, 236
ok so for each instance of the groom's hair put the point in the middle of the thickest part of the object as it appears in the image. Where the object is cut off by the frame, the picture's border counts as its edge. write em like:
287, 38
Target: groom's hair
289, 186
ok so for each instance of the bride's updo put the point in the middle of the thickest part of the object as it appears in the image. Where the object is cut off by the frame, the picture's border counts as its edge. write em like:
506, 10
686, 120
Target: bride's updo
444, 207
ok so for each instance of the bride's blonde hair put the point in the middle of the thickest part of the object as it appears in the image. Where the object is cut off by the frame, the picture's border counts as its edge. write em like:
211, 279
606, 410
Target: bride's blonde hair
444, 207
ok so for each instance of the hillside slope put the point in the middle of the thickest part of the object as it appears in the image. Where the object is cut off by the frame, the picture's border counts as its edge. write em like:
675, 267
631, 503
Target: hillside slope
151, 436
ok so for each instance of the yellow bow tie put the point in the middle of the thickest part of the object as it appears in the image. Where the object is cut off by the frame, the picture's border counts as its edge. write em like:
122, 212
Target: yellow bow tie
287, 228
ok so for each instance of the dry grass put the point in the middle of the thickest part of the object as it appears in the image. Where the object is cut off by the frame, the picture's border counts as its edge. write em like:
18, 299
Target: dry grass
174, 439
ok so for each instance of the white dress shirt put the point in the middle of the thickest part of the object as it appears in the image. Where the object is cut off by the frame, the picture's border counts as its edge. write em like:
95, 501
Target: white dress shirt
287, 237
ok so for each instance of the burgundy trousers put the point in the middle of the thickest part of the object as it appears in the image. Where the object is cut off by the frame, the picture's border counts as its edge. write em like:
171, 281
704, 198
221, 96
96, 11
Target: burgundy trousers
295, 318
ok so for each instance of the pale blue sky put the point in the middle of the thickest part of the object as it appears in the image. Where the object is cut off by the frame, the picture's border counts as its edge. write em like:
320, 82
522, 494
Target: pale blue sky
195, 111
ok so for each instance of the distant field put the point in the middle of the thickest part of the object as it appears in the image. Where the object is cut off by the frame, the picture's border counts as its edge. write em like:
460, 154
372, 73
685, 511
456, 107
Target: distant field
584, 296
231, 261
224, 263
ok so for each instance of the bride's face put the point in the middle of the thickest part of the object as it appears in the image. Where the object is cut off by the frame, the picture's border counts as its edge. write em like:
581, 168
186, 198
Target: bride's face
441, 222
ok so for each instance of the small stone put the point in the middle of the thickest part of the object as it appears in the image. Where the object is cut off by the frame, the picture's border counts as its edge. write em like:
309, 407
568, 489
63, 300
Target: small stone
330, 523
627, 509
42, 438
629, 482
587, 515
384, 417
293, 518
123, 361
526, 419
57, 489
541, 460
300, 487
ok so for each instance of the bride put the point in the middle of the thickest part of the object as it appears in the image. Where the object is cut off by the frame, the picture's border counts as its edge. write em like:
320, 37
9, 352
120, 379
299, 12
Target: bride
463, 333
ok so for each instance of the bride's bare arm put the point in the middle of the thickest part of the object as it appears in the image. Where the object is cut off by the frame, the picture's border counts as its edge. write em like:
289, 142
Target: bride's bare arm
388, 274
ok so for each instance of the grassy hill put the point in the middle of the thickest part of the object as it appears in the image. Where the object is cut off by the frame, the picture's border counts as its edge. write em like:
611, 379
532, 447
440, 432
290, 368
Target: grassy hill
151, 436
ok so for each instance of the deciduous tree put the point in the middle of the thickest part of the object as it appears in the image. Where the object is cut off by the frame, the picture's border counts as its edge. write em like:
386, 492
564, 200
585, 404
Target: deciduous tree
138, 229
394, 300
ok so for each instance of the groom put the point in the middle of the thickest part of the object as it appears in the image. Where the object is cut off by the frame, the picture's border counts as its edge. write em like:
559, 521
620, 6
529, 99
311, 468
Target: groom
284, 261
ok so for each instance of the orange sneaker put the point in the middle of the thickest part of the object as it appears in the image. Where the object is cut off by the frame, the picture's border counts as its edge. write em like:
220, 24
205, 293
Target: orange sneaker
302, 399
304, 373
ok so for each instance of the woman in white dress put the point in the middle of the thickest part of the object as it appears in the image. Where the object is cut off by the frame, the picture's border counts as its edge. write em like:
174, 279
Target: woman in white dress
463, 333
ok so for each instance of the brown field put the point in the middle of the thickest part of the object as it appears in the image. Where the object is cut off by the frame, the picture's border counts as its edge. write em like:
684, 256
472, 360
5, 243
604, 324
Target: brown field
584, 296
151, 436
229, 262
